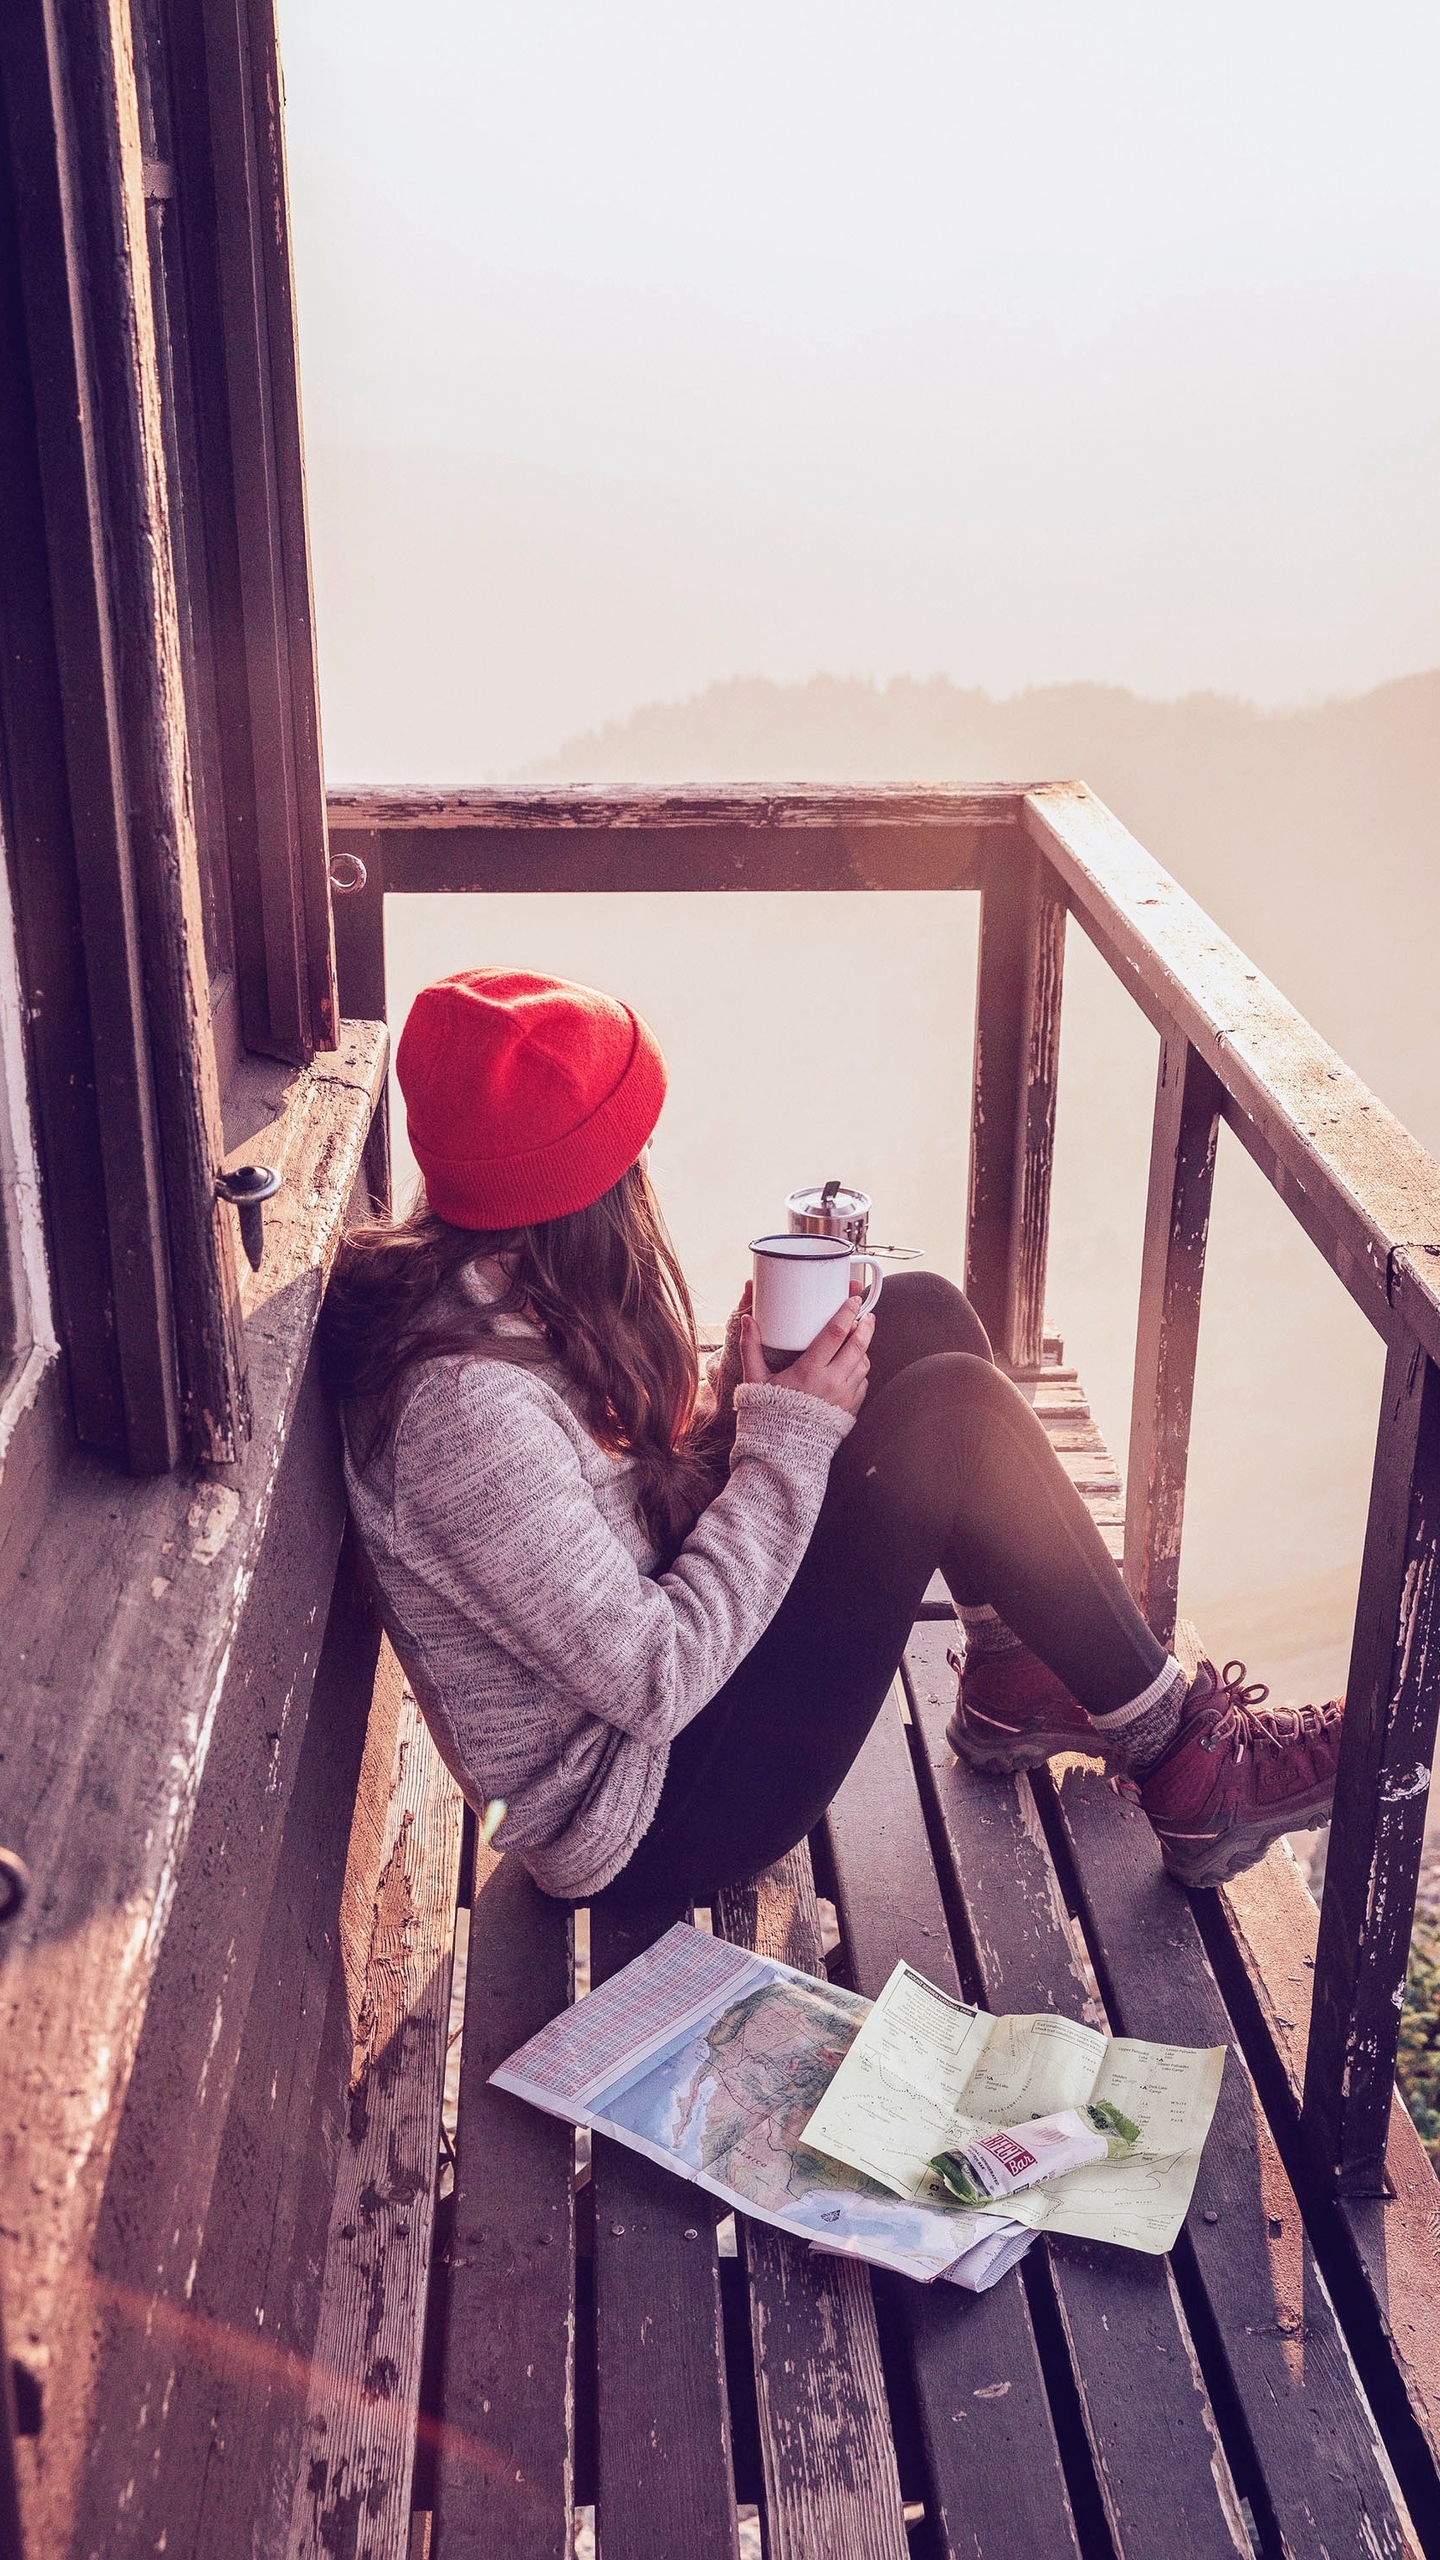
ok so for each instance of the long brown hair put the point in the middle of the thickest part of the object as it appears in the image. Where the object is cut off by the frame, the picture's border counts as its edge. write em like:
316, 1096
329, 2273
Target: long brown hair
609, 1300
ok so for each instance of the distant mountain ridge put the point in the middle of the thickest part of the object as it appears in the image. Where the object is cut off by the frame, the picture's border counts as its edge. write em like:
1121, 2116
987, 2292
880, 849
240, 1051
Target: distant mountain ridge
1312, 835
926, 729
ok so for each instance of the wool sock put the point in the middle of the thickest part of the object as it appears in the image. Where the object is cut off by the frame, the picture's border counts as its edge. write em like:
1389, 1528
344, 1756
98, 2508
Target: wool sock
1138, 1734
985, 1630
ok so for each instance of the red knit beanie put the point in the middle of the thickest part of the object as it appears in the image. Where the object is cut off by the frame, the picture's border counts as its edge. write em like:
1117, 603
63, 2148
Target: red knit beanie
525, 1097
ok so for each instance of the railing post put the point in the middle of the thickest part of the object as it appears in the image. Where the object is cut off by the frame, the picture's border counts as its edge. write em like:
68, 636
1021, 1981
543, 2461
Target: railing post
1378, 1828
1012, 1144
359, 911
1177, 1224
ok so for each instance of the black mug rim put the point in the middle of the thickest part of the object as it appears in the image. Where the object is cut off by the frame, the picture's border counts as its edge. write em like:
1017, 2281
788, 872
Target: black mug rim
782, 1248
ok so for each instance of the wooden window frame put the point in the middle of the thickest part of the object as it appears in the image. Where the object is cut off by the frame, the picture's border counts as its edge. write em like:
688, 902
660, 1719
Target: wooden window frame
209, 94
159, 730
27, 1336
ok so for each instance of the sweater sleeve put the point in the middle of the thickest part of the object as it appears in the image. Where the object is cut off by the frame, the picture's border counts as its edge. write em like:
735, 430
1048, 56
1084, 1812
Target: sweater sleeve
493, 1511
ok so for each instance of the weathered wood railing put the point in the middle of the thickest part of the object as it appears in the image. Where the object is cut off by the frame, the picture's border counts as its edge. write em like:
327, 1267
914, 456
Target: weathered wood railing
1231, 1048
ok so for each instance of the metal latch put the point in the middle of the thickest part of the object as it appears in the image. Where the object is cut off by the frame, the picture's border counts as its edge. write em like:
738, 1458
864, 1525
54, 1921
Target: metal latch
247, 1189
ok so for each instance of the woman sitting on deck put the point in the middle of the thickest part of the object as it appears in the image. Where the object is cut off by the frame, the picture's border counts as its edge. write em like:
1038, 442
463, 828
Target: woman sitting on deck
658, 1617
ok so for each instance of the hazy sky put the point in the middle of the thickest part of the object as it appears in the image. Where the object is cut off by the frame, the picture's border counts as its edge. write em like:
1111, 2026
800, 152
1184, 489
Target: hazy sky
1016, 342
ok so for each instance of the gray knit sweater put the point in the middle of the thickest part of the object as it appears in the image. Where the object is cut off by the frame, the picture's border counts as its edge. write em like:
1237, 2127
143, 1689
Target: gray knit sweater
553, 1666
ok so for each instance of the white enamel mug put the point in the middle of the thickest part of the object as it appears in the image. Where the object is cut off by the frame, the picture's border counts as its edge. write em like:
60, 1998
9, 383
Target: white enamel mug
800, 1283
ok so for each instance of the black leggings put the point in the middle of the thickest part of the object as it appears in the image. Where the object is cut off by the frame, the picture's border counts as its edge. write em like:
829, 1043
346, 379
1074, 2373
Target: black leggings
946, 1466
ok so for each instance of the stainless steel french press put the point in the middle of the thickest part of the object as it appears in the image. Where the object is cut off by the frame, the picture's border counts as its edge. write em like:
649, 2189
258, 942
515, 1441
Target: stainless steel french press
834, 1209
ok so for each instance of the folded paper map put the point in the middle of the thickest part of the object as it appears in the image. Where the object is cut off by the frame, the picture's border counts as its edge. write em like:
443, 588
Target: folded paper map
926, 2074
711, 2061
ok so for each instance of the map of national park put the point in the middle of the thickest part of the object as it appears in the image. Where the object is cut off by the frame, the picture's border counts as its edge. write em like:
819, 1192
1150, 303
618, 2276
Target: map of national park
735, 2099
732, 2102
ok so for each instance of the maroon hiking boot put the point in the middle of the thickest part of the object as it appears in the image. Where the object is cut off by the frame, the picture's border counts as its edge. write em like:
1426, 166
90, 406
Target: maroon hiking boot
1237, 1775
1012, 1712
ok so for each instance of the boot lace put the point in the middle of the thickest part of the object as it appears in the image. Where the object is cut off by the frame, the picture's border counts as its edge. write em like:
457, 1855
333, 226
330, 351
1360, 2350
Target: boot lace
1244, 1717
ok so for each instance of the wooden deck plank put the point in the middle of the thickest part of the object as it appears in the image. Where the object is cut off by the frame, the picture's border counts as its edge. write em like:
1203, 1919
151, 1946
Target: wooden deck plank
662, 2420
1390, 2296
353, 2490
505, 2458
1058, 1398
1164, 2478
235, 2416
1268, 1922
1244, 2249
1273, 2320
367, 1847
997, 2482
832, 2488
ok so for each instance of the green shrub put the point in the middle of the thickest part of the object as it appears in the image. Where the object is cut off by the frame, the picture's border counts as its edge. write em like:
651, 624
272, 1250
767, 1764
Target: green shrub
1418, 2068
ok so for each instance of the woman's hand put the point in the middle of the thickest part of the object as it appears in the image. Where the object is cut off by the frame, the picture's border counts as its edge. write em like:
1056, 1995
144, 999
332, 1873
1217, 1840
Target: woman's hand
836, 1368
725, 1370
